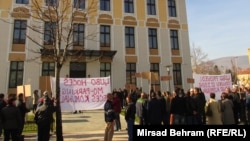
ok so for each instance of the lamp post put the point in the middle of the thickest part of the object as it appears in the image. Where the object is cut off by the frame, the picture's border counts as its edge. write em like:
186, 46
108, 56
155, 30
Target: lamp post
168, 70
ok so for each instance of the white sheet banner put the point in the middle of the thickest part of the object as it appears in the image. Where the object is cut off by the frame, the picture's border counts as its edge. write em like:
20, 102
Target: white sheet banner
213, 83
83, 93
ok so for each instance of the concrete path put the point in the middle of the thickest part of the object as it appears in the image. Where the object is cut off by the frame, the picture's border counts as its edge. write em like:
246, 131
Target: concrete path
86, 126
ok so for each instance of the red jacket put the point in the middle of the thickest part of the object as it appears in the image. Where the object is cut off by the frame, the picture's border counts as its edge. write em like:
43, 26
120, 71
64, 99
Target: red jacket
117, 104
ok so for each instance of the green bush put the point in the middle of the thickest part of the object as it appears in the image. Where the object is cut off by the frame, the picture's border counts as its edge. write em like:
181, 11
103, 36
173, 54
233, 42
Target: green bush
30, 125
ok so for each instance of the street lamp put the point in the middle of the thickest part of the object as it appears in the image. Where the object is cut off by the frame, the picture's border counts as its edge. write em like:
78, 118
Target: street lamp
168, 71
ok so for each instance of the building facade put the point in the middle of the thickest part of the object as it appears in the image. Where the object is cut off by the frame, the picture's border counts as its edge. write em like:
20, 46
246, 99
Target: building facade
118, 37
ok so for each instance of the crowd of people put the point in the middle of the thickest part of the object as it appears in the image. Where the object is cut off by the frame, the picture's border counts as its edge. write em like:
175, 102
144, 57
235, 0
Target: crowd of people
13, 115
180, 107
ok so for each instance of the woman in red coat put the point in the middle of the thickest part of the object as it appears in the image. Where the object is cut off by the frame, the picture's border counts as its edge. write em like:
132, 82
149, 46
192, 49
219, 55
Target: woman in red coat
117, 110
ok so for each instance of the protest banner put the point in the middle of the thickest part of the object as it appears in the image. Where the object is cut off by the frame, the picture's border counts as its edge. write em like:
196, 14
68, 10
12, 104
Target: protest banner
83, 93
213, 83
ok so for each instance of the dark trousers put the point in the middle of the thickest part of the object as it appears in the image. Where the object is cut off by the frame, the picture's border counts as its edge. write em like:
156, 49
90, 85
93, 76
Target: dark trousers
13, 133
43, 131
117, 121
130, 124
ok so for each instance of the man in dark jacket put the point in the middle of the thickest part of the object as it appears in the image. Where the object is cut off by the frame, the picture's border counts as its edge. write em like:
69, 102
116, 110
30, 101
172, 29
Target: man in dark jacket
11, 119
178, 108
130, 111
109, 116
23, 109
154, 110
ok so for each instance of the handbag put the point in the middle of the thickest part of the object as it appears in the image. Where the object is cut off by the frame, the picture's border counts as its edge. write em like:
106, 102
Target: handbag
209, 111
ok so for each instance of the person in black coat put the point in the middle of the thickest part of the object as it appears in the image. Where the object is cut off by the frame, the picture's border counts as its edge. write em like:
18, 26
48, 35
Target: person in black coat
155, 112
12, 120
23, 109
130, 112
109, 116
178, 108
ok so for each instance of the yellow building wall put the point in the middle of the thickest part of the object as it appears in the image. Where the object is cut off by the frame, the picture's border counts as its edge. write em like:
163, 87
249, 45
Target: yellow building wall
141, 15
118, 8
162, 10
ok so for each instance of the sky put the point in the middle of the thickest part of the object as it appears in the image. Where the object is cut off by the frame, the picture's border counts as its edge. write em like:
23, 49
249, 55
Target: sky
221, 28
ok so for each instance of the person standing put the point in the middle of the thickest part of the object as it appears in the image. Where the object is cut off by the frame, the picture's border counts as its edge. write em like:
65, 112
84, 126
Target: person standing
227, 112
200, 101
215, 106
130, 112
154, 110
12, 120
3, 103
141, 109
109, 117
44, 118
178, 108
117, 109
23, 109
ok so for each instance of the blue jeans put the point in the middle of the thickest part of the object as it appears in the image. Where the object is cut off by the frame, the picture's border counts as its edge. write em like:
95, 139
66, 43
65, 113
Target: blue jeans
130, 124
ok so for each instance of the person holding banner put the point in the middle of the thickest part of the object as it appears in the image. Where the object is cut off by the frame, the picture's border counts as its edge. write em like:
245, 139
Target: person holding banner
23, 109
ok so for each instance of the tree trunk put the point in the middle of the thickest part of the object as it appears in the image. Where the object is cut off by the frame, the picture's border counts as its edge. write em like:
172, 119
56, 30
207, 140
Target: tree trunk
59, 131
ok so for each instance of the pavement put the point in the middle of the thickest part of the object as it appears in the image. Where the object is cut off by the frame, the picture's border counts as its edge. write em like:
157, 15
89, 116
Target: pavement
86, 126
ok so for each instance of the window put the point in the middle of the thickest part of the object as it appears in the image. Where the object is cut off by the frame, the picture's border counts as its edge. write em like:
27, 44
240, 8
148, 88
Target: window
154, 67
172, 8
77, 70
16, 74
152, 38
78, 35
79, 4
22, 1
105, 36
105, 69
48, 69
49, 33
129, 6
105, 5
20, 27
177, 74
129, 37
151, 7
130, 73
51, 2
174, 39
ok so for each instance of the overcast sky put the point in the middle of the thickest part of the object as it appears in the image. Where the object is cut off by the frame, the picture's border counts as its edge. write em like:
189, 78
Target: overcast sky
220, 27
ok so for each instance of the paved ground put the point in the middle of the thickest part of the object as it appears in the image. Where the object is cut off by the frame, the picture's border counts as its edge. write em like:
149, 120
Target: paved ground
86, 126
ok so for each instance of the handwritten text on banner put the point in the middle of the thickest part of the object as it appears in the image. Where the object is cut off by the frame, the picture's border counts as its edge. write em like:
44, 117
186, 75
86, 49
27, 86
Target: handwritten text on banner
83, 93
213, 83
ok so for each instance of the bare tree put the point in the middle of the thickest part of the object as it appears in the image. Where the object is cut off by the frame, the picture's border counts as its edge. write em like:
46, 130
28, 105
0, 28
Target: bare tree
200, 63
52, 31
